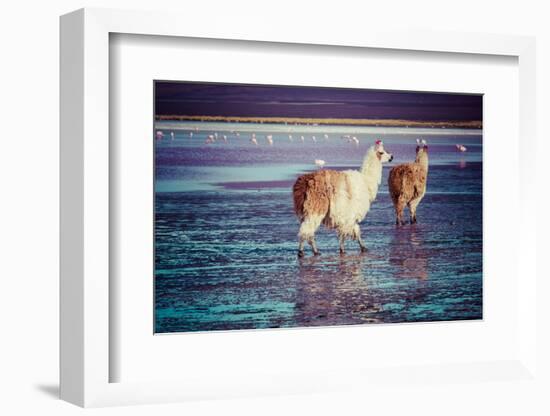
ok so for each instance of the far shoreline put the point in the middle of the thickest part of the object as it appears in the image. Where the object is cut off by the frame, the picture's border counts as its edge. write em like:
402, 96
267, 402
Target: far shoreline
295, 121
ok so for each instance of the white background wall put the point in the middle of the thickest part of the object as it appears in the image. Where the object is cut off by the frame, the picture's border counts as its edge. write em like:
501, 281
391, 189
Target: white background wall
29, 56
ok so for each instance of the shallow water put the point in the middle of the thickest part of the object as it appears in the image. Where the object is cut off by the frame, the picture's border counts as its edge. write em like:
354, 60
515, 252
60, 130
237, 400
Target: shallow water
225, 233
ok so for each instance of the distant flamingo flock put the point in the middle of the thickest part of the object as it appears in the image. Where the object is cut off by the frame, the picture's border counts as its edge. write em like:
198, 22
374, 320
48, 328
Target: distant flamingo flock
216, 137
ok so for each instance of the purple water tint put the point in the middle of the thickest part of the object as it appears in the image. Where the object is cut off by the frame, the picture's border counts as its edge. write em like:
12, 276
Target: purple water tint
225, 235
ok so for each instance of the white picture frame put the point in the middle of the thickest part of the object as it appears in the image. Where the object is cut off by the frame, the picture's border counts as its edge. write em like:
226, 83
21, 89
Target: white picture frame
85, 220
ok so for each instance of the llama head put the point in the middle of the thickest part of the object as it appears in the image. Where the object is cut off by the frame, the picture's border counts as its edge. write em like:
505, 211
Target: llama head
381, 153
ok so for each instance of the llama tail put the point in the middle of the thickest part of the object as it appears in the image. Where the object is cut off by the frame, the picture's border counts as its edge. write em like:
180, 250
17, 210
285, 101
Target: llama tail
299, 193
312, 194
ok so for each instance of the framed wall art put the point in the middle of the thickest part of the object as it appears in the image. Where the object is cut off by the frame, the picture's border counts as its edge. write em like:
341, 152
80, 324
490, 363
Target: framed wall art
291, 212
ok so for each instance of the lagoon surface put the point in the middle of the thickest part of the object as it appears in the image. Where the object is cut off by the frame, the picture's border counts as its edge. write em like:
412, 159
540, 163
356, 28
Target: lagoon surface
225, 231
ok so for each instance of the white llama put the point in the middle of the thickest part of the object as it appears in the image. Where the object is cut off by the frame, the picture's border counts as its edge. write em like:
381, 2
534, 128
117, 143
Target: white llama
339, 200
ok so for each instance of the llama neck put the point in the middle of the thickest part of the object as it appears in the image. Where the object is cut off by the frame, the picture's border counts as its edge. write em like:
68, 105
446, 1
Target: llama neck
422, 160
372, 172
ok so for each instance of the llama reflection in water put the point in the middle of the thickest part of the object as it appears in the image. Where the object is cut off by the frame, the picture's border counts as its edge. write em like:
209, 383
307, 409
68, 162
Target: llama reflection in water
334, 291
357, 289
408, 253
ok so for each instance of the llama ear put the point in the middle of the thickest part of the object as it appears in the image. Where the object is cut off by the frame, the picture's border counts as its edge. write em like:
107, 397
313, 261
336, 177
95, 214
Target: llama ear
417, 149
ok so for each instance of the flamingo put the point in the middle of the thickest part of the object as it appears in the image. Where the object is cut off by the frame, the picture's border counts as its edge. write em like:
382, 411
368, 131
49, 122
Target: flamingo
314, 139
253, 139
326, 136
190, 134
225, 138
355, 141
210, 139
319, 163
290, 137
172, 135
269, 138
160, 135
461, 148
302, 139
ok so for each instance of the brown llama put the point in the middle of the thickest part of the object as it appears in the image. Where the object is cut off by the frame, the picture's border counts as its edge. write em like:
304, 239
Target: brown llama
407, 184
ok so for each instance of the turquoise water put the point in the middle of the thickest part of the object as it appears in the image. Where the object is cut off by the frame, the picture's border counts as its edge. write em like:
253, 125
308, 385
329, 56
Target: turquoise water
225, 233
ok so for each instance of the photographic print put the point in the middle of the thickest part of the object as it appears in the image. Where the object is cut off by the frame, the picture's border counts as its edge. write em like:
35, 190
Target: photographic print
297, 206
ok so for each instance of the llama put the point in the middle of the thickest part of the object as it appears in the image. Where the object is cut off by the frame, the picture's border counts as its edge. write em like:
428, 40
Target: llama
407, 184
338, 199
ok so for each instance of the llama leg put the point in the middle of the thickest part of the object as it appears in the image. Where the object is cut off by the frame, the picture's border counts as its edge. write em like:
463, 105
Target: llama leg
313, 245
357, 236
399, 207
301, 247
342, 242
307, 233
412, 208
398, 212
